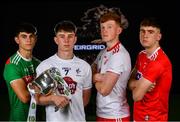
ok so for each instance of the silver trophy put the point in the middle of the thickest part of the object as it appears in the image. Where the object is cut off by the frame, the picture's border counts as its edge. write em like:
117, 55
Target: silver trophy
47, 83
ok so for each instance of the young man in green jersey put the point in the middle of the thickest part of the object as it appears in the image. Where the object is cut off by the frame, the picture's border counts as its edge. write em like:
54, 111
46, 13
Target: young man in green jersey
20, 70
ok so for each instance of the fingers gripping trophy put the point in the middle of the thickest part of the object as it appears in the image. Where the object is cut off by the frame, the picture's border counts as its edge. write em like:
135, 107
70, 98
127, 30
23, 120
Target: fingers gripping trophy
46, 83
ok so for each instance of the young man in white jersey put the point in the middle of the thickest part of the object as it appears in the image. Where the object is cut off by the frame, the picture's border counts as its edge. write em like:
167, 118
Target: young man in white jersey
20, 70
75, 71
111, 71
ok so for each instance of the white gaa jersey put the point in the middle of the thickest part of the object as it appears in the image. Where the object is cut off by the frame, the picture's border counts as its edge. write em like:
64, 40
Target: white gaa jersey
115, 60
78, 75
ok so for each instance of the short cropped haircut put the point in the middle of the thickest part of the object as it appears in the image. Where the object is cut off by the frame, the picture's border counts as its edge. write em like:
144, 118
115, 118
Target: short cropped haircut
150, 21
67, 26
25, 27
110, 16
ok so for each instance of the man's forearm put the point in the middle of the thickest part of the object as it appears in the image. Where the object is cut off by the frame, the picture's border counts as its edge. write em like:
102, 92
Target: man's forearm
132, 84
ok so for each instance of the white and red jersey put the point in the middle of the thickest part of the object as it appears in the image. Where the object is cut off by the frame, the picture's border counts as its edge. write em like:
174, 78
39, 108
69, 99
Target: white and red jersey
116, 60
78, 75
155, 68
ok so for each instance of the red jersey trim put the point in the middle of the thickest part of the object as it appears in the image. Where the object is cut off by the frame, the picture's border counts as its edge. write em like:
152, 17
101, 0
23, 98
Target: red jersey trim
114, 46
8, 61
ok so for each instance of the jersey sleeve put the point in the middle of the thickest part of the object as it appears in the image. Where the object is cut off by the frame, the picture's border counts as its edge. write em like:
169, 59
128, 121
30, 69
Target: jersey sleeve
152, 71
88, 78
116, 64
11, 72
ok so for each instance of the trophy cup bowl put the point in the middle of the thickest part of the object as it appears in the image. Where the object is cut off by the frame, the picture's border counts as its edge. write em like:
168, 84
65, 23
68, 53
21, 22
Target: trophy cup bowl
47, 83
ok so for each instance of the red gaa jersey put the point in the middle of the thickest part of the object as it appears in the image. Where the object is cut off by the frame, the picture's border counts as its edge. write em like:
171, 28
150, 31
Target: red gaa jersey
155, 68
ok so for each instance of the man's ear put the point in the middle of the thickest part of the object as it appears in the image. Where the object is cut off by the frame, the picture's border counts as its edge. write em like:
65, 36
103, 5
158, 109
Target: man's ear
55, 40
119, 30
16, 40
75, 40
36, 38
159, 36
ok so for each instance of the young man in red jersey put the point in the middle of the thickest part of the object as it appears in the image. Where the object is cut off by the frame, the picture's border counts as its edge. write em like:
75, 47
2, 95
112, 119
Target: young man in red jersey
151, 77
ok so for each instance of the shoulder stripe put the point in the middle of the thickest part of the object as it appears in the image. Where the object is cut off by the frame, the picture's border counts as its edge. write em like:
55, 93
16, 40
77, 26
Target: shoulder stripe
16, 59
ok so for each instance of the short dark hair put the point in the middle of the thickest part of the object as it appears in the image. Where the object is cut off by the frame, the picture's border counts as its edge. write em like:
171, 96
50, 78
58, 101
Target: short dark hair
150, 21
25, 27
66, 26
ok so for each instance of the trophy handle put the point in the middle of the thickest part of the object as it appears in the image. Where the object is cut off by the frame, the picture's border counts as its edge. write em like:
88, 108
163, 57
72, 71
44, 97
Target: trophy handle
32, 89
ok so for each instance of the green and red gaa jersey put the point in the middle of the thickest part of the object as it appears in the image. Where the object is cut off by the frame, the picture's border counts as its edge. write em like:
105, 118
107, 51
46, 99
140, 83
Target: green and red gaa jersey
18, 67
155, 68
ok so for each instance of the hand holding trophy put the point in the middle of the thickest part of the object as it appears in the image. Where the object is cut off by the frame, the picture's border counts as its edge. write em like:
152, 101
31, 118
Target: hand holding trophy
47, 83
